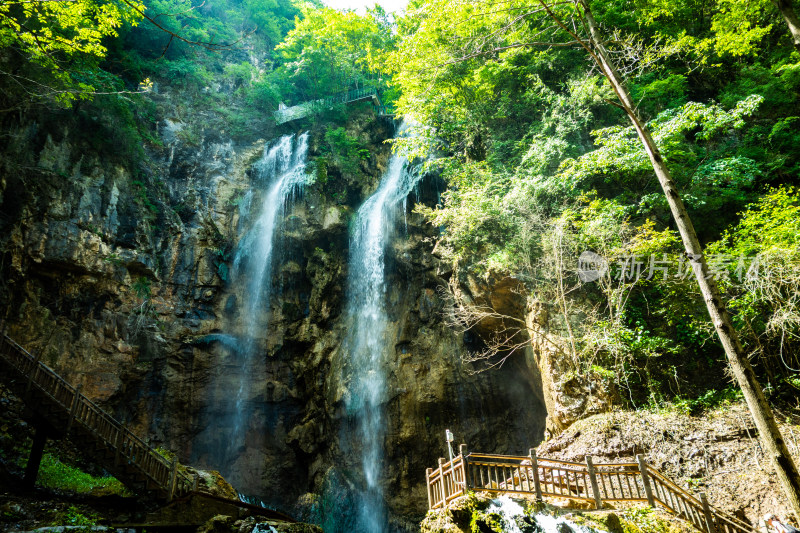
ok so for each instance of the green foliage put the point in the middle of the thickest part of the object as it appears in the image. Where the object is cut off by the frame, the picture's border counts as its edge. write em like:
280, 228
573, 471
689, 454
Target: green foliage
657, 94
55, 474
75, 518
483, 522
141, 191
620, 151
479, 221
272, 19
711, 399
346, 151
765, 297
61, 42
141, 287
529, 190
263, 95
111, 125
319, 167
187, 73
169, 455
330, 51
771, 225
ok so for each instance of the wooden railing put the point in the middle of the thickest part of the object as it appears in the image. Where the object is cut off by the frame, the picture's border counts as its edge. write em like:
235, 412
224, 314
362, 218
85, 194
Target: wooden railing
595, 483
132, 460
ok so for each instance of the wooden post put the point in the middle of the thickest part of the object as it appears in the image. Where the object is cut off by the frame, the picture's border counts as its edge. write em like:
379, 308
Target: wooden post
195, 482
598, 501
31, 375
462, 451
443, 483
428, 473
35, 458
645, 480
74, 409
535, 467
117, 446
173, 476
710, 526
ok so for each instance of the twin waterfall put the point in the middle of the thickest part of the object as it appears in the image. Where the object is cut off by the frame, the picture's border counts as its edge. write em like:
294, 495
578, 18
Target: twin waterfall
277, 176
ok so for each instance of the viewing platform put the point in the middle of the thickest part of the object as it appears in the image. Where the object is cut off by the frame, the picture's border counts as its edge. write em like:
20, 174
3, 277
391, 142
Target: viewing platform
541, 477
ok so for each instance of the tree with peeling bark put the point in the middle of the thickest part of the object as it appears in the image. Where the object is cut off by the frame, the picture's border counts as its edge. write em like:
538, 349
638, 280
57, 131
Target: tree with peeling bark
496, 29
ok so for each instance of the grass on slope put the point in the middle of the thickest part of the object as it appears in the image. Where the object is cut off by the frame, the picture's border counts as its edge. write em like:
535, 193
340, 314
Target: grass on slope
55, 474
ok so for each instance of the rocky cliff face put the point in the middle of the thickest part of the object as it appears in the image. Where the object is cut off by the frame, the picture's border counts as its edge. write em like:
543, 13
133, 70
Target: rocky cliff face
118, 275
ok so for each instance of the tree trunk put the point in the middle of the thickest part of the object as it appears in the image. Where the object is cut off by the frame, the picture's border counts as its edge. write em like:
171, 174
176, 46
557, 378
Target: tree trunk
771, 439
790, 16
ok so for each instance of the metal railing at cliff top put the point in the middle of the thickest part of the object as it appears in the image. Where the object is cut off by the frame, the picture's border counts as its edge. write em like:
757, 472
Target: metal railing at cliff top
306, 108
595, 483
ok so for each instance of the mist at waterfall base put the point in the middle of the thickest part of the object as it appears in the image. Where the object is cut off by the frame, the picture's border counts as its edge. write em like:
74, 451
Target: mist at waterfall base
365, 350
234, 424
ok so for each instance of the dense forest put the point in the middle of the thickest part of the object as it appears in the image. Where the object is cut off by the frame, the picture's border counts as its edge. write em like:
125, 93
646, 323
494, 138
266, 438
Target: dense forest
531, 113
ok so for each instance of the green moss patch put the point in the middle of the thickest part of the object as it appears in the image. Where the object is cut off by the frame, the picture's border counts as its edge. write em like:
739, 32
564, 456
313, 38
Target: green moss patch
55, 474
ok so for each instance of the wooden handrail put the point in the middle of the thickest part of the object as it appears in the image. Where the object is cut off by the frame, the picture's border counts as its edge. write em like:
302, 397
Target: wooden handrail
75, 414
597, 483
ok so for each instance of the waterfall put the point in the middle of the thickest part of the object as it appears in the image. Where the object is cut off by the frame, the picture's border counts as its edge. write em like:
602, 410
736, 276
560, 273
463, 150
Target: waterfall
230, 438
366, 343
282, 170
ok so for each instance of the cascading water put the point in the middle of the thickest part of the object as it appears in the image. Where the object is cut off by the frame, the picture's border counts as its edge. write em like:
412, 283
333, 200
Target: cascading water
282, 169
366, 343
277, 176
514, 519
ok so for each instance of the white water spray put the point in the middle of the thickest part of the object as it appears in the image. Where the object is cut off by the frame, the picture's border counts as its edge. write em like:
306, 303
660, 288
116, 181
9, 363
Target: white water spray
366, 342
515, 519
280, 173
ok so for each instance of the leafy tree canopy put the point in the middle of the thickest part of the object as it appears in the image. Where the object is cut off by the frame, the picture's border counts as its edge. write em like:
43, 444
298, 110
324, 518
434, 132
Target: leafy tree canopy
330, 51
64, 38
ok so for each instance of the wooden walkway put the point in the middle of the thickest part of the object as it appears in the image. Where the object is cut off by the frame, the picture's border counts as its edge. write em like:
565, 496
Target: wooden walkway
60, 410
307, 108
595, 483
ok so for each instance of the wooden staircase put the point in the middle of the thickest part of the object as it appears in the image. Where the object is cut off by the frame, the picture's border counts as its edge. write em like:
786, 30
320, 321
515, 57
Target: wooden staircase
60, 410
